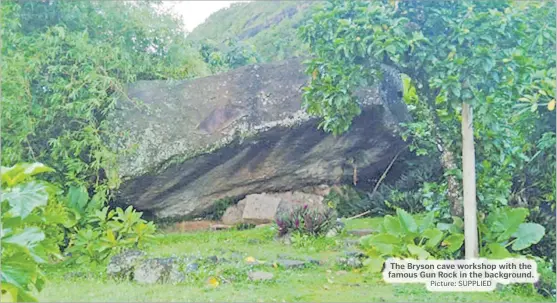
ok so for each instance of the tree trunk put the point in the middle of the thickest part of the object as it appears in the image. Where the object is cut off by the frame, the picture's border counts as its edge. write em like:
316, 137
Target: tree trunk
453, 186
469, 184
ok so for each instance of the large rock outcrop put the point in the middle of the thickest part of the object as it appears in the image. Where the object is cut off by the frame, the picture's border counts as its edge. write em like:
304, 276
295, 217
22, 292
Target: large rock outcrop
239, 133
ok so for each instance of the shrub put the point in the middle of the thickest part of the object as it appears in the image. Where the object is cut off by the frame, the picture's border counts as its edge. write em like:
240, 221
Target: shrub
303, 220
22, 239
346, 200
409, 185
219, 208
407, 236
505, 227
546, 284
108, 232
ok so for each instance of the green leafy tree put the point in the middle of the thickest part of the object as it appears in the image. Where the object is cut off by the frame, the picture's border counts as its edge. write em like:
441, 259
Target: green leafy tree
64, 66
490, 55
486, 56
23, 248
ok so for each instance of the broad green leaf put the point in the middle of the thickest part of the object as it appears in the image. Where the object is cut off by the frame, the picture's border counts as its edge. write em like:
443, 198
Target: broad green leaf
415, 250
426, 222
16, 174
407, 222
36, 168
375, 264
18, 271
392, 225
26, 197
527, 235
498, 251
505, 221
77, 199
444, 226
29, 237
457, 226
384, 238
453, 242
434, 236
15, 294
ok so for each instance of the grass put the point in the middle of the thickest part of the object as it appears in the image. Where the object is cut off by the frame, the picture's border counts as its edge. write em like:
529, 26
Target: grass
324, 283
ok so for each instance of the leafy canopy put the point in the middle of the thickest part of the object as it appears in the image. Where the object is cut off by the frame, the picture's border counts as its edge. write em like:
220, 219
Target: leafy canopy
64, 65
498, 56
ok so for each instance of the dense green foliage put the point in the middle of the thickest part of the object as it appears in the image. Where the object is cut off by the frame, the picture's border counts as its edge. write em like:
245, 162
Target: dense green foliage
504, 224
37, 221
266, 27
411, 187
107, 232
64, 65
497, 56
24, 217
228, 55
408, 236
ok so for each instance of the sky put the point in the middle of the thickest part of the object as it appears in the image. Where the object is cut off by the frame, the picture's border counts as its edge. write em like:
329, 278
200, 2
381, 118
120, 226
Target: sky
195, 12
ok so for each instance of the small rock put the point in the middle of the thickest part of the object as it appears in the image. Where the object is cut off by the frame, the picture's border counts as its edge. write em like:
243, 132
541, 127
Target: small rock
350, 262
260, 276
192, 267
158, 270
291, 263
233, 215
360, 232
339, 224
314, 261
213, 259
341, 272
122, 265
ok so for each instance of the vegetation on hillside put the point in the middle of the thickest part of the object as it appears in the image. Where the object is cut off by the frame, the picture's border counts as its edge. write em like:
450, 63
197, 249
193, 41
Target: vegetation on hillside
64, 66
267, 27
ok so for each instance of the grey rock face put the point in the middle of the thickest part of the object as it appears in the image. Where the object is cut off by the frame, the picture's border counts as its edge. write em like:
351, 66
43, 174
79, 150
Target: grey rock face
264, 208
240, 133
349, 262
122, 265
158, 270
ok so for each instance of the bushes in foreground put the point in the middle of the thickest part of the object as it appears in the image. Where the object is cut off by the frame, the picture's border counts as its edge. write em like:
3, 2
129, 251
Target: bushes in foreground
36, 219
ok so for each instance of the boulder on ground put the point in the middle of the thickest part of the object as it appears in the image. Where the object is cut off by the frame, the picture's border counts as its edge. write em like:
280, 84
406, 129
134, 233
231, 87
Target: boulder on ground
158, 270
233, 214
187, 144
121, 266
263, 208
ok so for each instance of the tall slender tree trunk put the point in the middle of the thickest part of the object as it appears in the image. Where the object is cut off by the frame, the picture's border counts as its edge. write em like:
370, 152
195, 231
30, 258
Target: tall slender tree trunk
469, 184
453, 186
